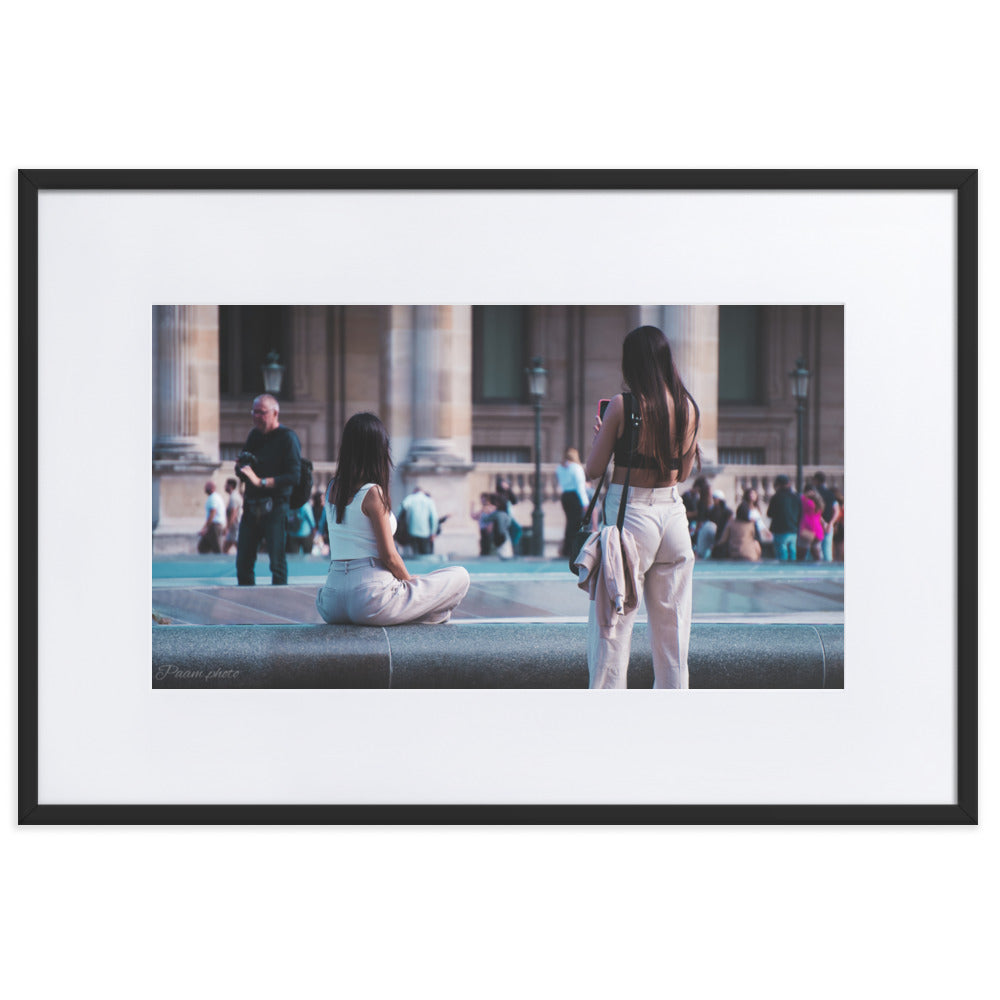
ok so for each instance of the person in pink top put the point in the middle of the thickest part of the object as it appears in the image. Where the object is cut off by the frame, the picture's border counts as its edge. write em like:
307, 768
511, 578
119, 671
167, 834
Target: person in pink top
811, 527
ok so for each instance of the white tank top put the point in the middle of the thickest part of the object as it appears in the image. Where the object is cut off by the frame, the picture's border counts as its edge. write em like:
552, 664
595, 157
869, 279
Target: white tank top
354, 537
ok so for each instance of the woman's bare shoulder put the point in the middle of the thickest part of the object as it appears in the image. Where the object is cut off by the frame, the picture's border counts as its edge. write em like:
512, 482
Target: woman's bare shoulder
374, 500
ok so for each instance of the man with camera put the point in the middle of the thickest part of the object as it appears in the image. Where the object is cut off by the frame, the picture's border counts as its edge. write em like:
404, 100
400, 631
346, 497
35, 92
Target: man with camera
269, 465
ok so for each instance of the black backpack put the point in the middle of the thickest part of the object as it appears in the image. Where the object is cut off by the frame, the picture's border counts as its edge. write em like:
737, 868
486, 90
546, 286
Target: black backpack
302, 490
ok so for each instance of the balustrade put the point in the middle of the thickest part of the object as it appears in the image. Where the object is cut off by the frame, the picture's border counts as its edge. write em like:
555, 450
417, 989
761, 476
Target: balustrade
731, 479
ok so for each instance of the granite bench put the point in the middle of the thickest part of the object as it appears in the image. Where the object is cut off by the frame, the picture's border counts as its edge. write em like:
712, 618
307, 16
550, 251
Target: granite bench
480, 655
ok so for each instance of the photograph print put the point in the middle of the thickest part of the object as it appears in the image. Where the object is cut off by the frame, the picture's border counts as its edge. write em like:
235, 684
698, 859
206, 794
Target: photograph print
498, 496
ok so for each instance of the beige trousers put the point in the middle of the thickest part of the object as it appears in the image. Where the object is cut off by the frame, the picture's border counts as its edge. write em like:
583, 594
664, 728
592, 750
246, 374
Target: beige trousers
364, 592
658, 523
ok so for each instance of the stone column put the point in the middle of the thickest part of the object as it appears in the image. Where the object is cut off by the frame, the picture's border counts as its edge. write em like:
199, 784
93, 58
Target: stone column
185, 421
693, 332
442, 385
396, 390
429, 387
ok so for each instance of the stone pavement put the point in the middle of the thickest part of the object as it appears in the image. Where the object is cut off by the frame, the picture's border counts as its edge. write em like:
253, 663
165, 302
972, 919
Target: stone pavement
195, 590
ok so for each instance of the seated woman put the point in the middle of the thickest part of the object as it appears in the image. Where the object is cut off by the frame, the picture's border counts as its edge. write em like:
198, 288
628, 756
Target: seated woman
739, 539
368, 583
752, 499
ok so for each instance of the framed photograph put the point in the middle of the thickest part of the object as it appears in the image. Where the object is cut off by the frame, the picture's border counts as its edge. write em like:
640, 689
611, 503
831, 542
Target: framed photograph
174, 325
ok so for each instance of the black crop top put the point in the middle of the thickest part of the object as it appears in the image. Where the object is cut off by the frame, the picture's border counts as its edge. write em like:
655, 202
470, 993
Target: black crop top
639, 461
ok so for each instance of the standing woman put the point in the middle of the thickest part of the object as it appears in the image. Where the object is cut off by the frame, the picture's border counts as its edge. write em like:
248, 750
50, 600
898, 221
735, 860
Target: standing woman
573, 495
368, 583
811, 527
662, 458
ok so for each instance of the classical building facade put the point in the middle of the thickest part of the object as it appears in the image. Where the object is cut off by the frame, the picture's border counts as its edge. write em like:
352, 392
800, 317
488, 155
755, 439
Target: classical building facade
449, 383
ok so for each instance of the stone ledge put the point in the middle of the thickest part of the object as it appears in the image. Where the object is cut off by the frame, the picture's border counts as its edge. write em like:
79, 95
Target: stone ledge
479, 656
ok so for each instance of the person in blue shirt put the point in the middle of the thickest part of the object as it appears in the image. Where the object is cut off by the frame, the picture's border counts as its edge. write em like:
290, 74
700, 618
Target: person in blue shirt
421, 521
301, 529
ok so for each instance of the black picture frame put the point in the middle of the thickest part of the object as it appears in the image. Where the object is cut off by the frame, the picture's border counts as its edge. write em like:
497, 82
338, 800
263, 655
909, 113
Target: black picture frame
963, 183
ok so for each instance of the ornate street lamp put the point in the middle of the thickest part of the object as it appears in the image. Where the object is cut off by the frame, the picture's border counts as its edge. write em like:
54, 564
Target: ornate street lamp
273, 374
800, 390
538, 379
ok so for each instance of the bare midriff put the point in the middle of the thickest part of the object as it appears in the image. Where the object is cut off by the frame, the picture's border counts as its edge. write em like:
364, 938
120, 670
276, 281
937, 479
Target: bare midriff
645, 478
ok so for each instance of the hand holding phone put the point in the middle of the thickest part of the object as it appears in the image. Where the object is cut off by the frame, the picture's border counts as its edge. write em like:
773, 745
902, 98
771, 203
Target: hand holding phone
601, 407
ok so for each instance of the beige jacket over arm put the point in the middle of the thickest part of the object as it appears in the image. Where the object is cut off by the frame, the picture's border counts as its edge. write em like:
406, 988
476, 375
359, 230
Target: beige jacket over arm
608, 568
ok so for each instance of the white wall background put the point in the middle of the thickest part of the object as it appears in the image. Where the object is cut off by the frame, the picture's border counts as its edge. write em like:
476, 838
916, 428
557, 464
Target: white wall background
497, 912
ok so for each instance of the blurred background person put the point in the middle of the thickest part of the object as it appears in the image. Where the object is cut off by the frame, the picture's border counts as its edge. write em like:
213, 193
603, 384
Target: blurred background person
500, 525
711, 528
212, 531
573, 495
317, 508
838, 527
763, 534
697, 503
421, 521
811, 527
505, 497
739, 538
785, 513
234, 510
321, 539
721, 514
301, 529
828, 512
482, 517
752, 499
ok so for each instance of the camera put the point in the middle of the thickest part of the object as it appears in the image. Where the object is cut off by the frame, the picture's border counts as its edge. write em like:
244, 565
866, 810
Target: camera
245, 458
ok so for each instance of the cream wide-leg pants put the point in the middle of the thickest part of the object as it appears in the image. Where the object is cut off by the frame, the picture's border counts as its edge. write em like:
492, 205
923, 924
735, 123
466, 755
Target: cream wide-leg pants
364, 592
658, 523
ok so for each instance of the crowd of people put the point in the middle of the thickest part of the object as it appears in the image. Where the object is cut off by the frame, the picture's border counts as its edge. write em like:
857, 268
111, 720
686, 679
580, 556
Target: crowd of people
792, 528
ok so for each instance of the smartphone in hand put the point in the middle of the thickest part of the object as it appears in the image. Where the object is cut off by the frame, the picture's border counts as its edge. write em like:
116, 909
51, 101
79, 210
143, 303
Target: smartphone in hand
602, 406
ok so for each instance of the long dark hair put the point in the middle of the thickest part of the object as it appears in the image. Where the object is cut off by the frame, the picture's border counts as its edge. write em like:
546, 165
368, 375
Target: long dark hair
648, 368
363, 458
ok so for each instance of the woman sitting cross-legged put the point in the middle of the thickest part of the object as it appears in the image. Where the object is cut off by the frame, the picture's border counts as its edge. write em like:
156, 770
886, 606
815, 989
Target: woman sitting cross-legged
368, 583
739, 538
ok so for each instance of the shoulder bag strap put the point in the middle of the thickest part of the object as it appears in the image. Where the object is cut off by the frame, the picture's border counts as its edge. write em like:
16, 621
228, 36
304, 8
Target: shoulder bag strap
630, 426
585, 520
